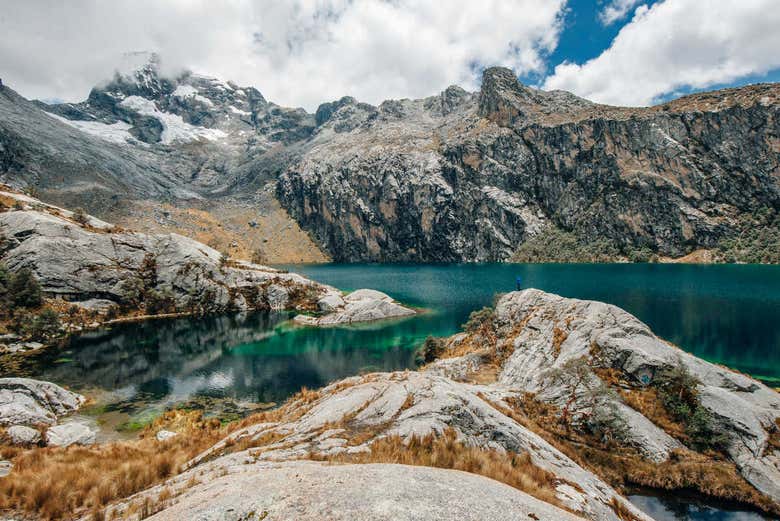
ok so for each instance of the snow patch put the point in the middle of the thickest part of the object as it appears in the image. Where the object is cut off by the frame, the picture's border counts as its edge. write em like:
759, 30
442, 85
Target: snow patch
174, 127
188, 91
115, 133
238, 111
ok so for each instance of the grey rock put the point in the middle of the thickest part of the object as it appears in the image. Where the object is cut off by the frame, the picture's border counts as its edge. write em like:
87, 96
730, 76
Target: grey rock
312, 491
277, 296
379, 404
362, 305
330, 302
5, 468
164, 435
71, 433
24, 401
22, 435
97, 267
742, 407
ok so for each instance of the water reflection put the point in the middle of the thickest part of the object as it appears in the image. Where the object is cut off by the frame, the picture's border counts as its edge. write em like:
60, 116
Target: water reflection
253, 357
679, 507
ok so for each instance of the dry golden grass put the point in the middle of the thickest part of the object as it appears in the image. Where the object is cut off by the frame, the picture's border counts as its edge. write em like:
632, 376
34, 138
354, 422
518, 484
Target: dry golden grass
62, 483
445, 451
559, 337
622, 465
649, 404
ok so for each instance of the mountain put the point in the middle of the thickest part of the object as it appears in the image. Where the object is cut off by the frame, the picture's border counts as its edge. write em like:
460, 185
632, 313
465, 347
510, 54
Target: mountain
454, 177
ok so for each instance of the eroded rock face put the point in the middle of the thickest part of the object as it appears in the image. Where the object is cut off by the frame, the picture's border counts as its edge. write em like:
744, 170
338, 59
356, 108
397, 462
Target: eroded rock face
24, 401
474, 182
92, 262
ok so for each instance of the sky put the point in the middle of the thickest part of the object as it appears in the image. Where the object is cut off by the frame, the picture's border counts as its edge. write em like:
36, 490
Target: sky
306, 52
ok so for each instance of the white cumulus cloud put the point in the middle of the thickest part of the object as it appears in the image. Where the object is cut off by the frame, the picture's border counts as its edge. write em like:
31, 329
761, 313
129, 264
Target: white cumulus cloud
296, 52
678, 44
616, 10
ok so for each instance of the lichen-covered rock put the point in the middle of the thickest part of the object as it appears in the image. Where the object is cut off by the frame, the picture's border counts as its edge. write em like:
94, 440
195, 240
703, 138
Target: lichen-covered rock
24, 401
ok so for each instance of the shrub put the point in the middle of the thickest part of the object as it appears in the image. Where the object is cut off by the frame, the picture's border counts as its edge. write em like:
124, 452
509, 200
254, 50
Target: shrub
80, 216
23, 290
680, 396
480, 319
555, 245
430, 350
43, 326
5, 282
159, 302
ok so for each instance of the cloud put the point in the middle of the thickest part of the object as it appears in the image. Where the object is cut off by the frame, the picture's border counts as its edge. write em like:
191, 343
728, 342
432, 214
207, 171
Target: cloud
616, 10
678, 44
297, 52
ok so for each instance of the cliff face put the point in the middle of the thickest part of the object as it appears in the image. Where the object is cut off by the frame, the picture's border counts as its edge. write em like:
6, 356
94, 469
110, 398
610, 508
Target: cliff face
474, 182
454, 177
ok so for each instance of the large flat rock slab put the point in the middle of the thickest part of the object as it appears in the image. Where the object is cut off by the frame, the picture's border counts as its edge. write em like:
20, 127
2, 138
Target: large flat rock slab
308, 491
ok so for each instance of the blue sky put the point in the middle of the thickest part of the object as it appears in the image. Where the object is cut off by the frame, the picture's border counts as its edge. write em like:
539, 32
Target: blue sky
584, 36
305, 52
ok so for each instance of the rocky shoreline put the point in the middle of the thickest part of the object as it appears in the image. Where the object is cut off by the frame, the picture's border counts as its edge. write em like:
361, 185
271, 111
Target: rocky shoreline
93, 274
566, 401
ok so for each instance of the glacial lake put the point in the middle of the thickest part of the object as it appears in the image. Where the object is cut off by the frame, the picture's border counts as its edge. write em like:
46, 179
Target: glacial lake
725, 314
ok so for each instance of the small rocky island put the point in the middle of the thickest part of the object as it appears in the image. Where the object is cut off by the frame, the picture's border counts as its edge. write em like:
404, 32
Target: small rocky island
549, 406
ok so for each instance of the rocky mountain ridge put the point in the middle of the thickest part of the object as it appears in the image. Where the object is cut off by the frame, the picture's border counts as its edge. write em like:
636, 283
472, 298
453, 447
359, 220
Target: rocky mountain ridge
454, 177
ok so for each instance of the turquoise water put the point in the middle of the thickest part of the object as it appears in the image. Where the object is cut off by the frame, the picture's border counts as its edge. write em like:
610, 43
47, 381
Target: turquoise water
728, 314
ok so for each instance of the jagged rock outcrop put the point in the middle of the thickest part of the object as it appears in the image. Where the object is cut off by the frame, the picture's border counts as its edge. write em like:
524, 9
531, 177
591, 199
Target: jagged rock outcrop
545, 334
473, 184
469, 398
347, 416
88, 260
454, 177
